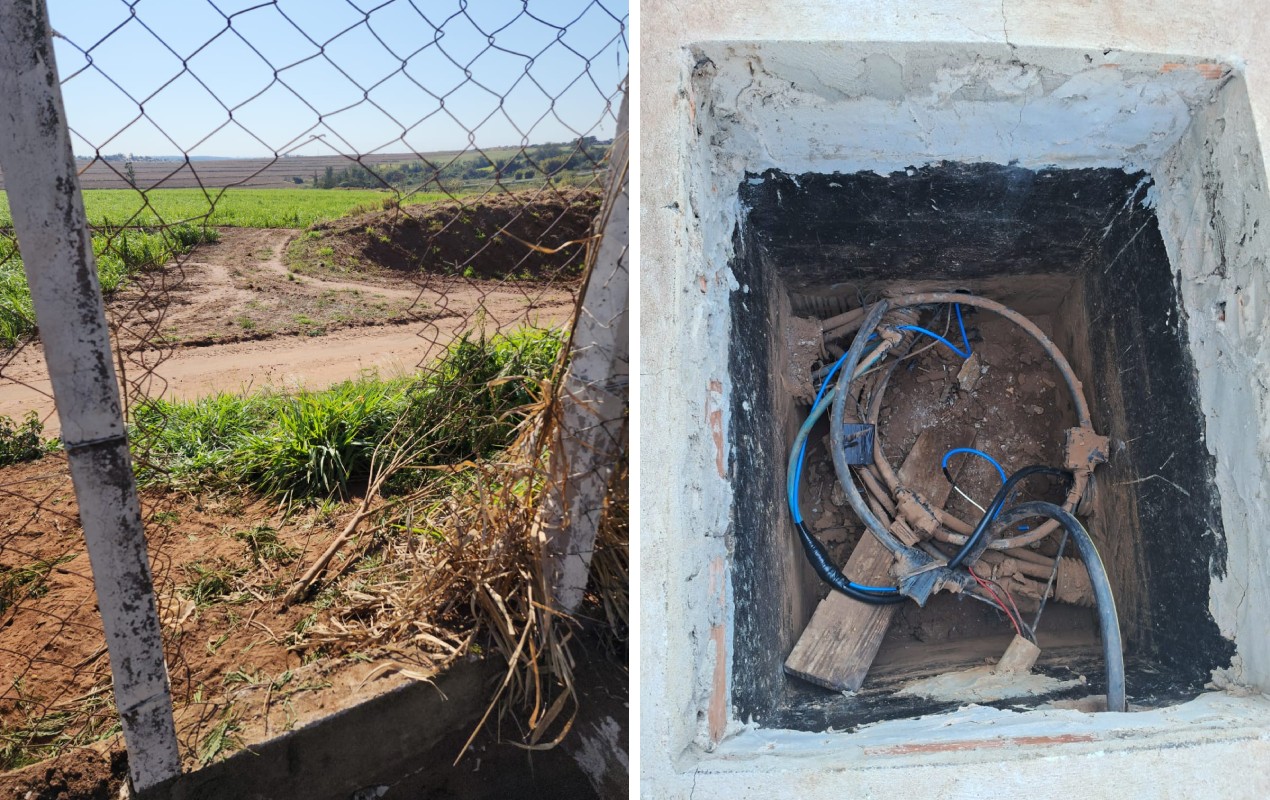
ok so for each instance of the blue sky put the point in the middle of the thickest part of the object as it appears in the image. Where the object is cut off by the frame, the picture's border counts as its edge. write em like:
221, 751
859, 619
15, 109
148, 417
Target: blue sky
314, 77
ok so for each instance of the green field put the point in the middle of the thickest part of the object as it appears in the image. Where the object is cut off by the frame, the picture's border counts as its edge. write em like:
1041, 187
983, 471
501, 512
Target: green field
240, 208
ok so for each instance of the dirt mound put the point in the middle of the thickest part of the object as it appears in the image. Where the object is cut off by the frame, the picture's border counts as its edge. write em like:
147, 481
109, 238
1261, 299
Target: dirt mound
475, 238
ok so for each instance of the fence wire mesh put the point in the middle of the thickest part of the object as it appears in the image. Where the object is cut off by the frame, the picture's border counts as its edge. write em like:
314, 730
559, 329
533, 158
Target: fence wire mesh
342, 246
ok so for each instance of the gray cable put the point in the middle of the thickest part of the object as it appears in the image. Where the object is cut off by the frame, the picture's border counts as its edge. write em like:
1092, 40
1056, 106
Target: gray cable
1108, 620
845, 377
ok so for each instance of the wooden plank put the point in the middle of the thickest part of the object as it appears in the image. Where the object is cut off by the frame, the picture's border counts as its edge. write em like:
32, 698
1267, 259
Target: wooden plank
839, 644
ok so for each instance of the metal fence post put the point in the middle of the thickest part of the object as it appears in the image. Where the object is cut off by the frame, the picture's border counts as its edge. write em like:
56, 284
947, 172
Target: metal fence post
56, 248
593, 400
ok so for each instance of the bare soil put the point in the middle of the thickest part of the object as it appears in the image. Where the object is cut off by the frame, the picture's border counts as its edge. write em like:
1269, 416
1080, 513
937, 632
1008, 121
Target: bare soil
238, 289
82, 774
233, 657
528, 236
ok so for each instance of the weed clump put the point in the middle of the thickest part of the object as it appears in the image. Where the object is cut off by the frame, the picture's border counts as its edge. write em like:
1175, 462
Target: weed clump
44, 734
319, 443
21, 441
468, 406
19, 583
310, 446
211, 583
265, 546
120, 253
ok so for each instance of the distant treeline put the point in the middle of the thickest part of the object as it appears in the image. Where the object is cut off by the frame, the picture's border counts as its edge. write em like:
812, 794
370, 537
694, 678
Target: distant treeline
553, 159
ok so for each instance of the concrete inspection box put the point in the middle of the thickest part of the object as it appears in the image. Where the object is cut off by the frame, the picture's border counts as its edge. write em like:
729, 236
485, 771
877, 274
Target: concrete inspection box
1116, 191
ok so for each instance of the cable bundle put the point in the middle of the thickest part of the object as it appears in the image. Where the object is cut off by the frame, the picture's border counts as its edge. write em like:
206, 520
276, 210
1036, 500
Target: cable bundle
862, 379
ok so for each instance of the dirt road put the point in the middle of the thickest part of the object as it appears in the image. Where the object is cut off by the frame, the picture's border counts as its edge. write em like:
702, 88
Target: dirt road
243, 277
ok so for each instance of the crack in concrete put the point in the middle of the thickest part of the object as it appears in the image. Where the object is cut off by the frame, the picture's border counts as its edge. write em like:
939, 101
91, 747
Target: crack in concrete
1005, 28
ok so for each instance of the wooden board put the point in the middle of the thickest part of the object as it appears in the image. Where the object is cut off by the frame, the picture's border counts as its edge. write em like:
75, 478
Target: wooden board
839, 644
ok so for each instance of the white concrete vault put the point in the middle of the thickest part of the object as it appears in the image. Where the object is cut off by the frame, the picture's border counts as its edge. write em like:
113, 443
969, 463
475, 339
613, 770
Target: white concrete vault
1179, 93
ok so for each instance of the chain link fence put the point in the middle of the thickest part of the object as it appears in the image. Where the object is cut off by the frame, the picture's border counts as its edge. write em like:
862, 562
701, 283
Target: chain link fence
343, 248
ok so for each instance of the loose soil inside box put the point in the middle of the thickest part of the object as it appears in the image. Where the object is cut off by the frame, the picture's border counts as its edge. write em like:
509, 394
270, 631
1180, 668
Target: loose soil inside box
1079, 253
1015, 406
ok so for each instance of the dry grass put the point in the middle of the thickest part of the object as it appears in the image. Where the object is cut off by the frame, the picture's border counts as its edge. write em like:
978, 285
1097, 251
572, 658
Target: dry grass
457, 564
448, 569
610, 576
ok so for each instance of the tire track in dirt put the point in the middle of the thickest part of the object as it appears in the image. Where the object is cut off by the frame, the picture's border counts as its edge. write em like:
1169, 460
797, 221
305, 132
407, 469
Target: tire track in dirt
245, 248
290, 361
241, 284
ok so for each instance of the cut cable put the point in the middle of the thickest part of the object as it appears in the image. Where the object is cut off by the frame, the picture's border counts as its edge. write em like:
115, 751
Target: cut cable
943, 465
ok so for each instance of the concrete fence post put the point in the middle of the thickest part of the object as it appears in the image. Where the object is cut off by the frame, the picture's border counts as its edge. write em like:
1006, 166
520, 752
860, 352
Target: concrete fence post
56, 248
593, 400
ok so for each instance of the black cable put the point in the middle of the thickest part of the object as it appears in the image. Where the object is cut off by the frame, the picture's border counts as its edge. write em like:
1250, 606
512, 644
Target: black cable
1108, 620
823, 565
998, 501
816, 552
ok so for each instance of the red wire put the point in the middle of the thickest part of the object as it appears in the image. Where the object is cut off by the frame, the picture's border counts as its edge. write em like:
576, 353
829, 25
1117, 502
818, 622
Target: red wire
1018, 614
998, 600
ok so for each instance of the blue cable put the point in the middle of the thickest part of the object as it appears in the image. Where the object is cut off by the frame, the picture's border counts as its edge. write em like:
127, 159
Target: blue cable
798, 470
943, 464
802, 451
960, 324
798, 473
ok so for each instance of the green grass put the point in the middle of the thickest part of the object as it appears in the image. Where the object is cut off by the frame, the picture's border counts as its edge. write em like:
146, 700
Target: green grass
44, 735
186, 439
210, 583
120, 255
19, 583
311, 446
320, 442
223, 739
240, 208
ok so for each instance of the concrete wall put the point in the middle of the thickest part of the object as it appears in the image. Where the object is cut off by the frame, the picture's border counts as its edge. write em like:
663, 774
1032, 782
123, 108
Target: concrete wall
402, 744
747, 86
1213, 207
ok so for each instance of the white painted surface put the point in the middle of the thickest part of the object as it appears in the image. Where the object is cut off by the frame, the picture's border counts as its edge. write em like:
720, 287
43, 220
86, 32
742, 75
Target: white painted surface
1211, 747
716, 102
808, 106
591, 425
48, 217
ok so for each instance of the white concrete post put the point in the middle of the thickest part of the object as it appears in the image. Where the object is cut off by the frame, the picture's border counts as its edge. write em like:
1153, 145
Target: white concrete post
593, 400
48, 216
